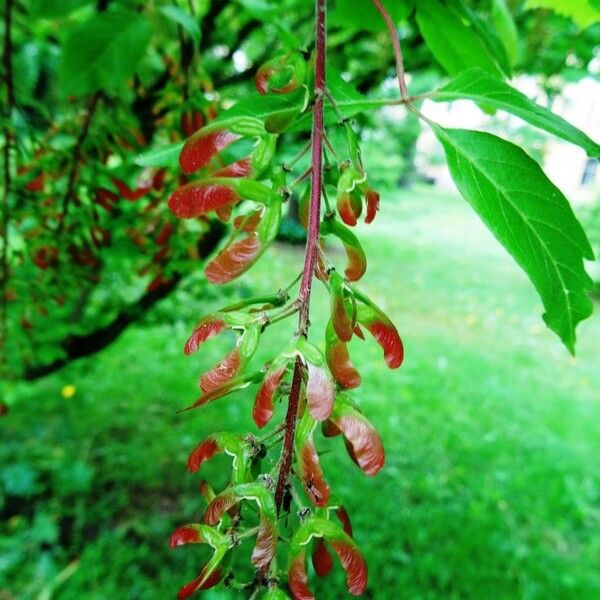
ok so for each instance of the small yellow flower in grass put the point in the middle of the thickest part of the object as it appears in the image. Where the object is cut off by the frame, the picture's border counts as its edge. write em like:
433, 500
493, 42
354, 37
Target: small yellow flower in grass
68, 391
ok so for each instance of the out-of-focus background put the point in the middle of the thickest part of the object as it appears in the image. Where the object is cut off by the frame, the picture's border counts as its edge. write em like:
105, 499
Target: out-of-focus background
491, 488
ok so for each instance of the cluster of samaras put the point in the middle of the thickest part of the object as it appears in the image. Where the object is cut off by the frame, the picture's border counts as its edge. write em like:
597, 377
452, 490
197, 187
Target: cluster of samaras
247, 507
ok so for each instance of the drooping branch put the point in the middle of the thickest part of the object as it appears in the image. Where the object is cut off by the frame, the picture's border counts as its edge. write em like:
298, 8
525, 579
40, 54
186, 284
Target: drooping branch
312, 246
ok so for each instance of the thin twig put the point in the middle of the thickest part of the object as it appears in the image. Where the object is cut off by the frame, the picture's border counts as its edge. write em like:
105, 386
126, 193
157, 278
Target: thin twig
397, 48
287, 166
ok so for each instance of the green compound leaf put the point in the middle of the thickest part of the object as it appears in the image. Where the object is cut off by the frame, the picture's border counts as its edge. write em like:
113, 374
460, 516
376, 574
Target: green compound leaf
477, 85
530, 217
103, 52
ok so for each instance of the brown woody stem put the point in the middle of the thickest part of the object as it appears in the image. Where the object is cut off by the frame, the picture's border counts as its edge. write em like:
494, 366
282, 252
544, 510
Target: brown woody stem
312, 247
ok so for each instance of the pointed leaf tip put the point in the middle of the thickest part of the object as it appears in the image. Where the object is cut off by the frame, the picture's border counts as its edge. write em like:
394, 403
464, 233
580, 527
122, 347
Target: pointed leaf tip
208, 327
204, 451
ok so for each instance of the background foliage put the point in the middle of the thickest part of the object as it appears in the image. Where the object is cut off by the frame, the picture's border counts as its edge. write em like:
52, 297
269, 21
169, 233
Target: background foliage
89, 474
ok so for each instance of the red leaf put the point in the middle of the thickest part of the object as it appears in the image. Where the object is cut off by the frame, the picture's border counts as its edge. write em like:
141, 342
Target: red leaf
266, 541
193, 586
206, 328
365, 442
358, 332
221, 373
349, 207
357, 264
188, 534
46, 256
357, 260
201, 147
312, 475
342, 515
204, 451
320, 392
298, 579
186, 124
241, 168
248, 223
340, 365
224, 212
372, 205
341, 322
106, 198
197, 120
263, 405
386, 335
198, 198
84, 256
354, 564
321, 559
233, 260
191, 122
206, 491
37, 184
165, 233
220, 504
279, 67
158, 179
158, 282
128, 193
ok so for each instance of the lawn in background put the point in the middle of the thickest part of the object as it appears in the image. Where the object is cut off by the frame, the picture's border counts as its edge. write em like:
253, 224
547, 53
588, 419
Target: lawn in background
491, 488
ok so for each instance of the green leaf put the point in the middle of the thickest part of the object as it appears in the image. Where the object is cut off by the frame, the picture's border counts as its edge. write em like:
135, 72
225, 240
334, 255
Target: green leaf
361, 15
506, 28
482, 25
187, 22
453, 44
103, 52
54, 9
530, 217
584, 13
475, 84
310, 352
165, 156
270, 109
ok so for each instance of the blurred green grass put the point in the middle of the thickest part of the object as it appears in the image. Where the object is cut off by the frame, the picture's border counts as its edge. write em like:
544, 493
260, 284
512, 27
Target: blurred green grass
492, 434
